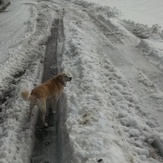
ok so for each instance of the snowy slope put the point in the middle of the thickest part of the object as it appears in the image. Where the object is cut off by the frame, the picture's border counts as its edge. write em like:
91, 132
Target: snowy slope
115, 97
145, 11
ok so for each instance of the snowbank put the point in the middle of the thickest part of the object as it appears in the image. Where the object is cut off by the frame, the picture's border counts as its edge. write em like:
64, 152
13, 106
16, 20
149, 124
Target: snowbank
144, 31
153, 52
104, 121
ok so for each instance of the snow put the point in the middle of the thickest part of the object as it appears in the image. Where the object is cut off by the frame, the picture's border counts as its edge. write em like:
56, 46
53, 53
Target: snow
115, 98
153, 51
144, 12
22, 69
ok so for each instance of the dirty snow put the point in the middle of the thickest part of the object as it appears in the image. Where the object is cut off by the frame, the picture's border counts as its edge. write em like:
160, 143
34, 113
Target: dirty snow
115, 99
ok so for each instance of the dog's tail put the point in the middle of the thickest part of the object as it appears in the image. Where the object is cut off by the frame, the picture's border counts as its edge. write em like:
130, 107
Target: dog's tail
25, 94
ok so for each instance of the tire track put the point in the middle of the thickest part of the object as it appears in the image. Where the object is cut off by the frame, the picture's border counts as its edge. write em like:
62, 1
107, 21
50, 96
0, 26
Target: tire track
105, 27
45, 144
48, 142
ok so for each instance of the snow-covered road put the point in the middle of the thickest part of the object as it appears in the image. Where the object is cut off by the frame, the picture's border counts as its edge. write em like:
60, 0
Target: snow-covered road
13, 26
114, 111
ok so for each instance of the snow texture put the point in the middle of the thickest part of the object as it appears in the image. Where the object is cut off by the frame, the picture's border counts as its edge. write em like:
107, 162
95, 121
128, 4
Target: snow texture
115, 98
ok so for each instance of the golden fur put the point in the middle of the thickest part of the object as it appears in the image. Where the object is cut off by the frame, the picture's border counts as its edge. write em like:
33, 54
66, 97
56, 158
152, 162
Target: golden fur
51, 88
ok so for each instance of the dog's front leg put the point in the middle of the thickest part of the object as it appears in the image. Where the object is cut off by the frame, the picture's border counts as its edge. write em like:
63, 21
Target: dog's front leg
53, 104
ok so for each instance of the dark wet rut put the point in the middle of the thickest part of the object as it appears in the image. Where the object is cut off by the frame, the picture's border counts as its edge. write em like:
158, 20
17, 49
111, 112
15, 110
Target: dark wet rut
46, 143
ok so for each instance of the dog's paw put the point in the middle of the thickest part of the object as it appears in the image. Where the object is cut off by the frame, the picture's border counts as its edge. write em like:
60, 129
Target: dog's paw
53, 112
46, 125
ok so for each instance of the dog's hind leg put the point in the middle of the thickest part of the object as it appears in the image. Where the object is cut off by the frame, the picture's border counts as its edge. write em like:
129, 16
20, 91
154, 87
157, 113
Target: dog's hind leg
43, 112
53, 105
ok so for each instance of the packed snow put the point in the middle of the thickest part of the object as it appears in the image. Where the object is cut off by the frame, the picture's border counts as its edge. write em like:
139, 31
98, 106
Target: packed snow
115, 98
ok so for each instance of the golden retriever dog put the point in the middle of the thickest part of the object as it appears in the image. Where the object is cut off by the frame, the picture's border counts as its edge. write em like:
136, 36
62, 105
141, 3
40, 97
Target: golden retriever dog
50, 88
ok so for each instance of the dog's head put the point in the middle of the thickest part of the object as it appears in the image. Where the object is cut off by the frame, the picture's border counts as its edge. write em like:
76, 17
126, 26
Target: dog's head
63, 78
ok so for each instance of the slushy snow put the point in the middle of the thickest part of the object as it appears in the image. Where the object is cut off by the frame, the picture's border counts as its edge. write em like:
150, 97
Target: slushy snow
115, 98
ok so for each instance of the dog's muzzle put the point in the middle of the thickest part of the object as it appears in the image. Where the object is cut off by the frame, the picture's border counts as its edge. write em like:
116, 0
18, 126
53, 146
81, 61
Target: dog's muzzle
70, 78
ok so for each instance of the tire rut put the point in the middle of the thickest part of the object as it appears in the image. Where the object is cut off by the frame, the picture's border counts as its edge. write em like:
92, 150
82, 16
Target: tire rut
46, 143
46, 137
105, 28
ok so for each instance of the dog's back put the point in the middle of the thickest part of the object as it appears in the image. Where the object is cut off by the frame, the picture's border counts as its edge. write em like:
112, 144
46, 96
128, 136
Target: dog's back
48, 89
